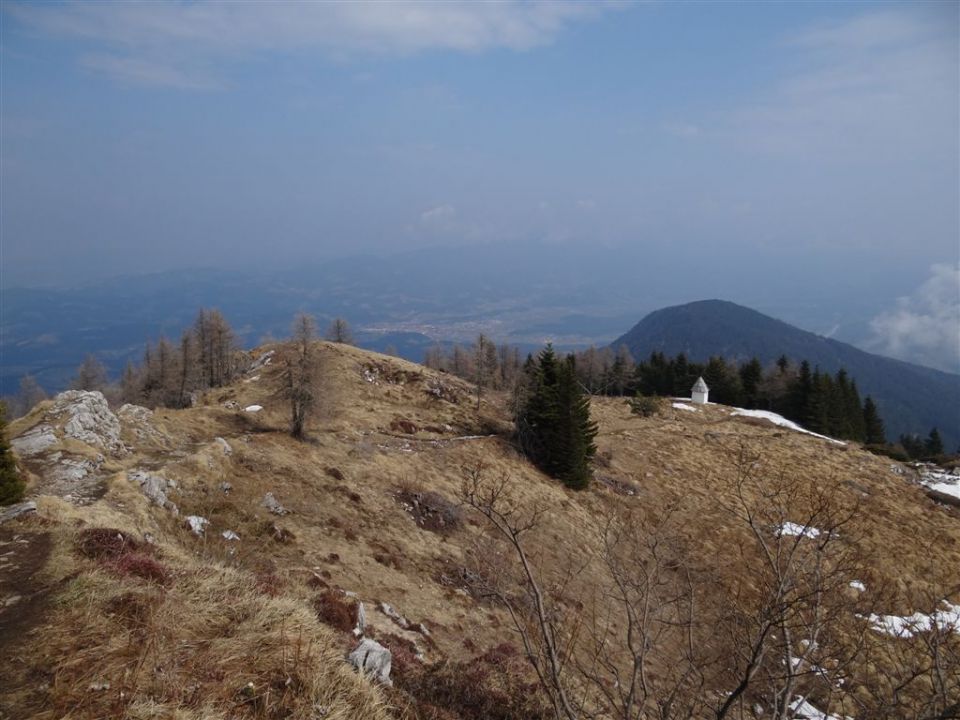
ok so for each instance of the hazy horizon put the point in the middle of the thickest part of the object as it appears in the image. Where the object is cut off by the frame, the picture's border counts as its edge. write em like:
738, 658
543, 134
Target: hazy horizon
802, 159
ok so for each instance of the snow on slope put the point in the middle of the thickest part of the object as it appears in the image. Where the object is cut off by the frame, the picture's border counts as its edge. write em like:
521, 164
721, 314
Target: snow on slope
947, 618
781, 421
942, 481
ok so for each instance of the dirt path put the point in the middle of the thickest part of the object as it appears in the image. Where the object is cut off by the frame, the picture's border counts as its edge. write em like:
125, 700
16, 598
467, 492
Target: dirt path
23, 594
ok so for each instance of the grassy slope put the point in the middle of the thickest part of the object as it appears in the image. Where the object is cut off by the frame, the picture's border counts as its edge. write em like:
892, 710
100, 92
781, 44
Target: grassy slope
236, 613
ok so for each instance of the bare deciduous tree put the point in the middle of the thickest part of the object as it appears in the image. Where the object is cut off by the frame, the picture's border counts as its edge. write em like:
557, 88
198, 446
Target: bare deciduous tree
665, 636
339, 332
91, 375
301, 374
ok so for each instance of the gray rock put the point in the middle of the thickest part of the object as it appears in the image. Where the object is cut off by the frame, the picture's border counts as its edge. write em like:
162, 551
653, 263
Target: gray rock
226, 487
197, 524
261, 361
373, 659
34, 441
229, 535
391, 613
227, 450
271, 504
14, 511
361, 620
70, 471
154, 487
89, 419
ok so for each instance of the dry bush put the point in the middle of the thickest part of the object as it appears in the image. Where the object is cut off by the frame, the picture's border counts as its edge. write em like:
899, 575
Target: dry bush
105, 543
142, 566
335, 610
402, 425
431, 510
646, 405
493, 686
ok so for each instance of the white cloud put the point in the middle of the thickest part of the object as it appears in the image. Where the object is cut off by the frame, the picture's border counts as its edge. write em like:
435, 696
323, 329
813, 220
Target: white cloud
161, 43
924, 327
880, 85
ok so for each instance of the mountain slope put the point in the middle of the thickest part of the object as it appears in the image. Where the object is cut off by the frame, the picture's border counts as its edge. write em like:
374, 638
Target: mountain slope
166, 621
911, 398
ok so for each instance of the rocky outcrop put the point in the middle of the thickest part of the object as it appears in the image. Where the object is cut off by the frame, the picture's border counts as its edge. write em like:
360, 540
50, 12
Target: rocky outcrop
15, 511
88, 419
35, 441
373, 659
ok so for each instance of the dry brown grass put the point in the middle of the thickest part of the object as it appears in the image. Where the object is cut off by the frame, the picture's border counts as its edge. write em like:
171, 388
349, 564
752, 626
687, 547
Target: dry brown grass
233, 613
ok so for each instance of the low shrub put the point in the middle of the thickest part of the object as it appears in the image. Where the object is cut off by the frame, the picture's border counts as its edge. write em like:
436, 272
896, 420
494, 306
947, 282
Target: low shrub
105, 543
335, 610
646, 405
496, 685
142, 566
432, 511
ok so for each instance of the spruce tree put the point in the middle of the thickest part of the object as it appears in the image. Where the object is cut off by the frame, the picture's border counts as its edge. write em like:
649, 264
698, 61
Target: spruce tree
933, 446
11, 484
874, 432
553, 420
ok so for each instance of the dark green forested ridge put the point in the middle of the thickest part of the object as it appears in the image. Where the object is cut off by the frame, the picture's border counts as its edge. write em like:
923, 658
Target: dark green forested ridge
910, 397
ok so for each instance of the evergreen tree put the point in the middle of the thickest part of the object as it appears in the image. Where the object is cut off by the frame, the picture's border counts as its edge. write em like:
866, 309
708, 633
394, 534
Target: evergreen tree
933, 446
874, 432
553, 420
750, 376
11, 484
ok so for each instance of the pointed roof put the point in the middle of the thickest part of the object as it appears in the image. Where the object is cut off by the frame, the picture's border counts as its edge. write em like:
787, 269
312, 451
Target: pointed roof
700, 386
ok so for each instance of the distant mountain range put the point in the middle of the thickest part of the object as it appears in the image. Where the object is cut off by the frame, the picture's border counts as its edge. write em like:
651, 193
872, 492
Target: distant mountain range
911, 398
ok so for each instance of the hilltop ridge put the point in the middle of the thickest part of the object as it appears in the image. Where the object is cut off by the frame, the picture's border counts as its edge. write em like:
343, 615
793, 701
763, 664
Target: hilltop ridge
911, 398
242, 553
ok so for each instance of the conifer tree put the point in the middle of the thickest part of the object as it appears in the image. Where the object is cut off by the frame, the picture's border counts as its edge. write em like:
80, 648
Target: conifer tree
553, 420
933, 445
874, 432
11, 484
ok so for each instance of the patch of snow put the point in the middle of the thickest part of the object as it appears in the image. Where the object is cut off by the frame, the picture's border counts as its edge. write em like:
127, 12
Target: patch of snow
684, 406
252, 379
947, 619
790, 528
781, 421
941, 481
197, 524
224, 445
857, 585
229, 535
803, 710
253, 408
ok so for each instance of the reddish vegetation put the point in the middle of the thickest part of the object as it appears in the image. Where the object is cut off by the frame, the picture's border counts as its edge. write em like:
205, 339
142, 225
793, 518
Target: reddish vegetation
142, 566
103, 543
334, 610
493, 686
405, 426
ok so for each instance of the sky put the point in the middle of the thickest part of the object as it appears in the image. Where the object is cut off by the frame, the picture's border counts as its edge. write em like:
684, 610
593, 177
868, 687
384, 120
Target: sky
814, 138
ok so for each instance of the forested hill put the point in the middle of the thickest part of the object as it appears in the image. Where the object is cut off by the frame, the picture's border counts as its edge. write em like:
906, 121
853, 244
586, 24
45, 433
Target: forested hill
911, 398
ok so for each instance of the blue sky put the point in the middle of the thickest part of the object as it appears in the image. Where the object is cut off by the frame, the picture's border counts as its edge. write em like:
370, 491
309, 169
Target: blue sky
821, 135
